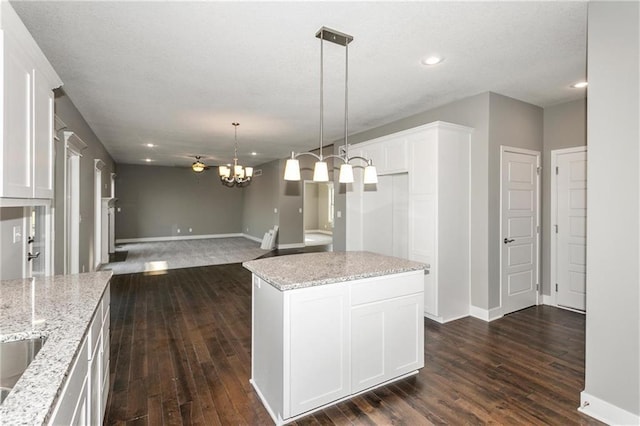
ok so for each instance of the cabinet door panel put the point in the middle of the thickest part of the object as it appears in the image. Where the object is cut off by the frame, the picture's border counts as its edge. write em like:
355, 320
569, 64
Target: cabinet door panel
319, 346
368, 334
405, 341
42, 139
16, 161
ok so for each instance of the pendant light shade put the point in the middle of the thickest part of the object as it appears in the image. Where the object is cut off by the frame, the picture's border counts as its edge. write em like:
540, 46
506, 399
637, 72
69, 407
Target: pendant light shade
292, 170
346, 174
370, 174
321, 172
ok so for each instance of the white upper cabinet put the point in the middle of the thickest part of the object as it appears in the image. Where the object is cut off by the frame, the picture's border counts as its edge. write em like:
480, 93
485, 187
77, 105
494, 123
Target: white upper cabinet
27, 108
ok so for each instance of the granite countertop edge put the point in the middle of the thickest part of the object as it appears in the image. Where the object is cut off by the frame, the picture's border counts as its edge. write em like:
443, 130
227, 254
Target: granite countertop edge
323, 275
67, 305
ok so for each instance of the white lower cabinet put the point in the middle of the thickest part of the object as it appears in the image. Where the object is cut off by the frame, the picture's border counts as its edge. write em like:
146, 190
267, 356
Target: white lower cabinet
319, 346
83, 397
71, 408
314, 346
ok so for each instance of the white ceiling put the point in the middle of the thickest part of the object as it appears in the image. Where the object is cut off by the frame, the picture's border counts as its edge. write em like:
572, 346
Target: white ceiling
177, 74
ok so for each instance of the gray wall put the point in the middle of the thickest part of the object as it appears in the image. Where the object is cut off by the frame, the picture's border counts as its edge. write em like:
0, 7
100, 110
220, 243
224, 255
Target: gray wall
156, 201
11, 260
68, 113
612, 369
516, 124
565, 126
260, 200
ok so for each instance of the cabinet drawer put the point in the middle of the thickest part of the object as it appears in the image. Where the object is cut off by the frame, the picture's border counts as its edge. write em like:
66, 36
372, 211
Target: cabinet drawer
386, 287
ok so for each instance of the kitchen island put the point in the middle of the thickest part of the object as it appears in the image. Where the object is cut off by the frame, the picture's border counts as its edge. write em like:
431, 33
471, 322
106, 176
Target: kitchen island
67, 381
328, 326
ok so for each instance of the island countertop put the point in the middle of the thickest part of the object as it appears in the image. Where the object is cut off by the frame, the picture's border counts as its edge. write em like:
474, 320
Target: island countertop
312, 269
60, 309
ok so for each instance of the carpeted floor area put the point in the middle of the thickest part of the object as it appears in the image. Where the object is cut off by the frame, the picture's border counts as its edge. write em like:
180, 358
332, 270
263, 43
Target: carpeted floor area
162, 255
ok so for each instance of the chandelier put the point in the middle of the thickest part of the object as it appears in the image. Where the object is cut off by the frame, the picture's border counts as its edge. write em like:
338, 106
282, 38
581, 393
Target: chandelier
198, 166
235, 175
320, 170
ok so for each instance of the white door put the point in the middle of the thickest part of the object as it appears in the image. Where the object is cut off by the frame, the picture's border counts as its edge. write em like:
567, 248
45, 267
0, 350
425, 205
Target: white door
571, 228
519, 225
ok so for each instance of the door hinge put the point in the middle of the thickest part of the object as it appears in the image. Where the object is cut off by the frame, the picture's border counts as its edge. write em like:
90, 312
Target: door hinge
538, 170
537, 287
557, 170
556, 287
556, 228
538, 229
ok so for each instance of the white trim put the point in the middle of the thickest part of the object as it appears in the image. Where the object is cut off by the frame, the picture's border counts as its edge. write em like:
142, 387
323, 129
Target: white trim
605, 411
180, 237
435, 318
538, 155
487, 315
24, 202
553, 217
549, 300
279, 421
252, 238
289, 246
318, 231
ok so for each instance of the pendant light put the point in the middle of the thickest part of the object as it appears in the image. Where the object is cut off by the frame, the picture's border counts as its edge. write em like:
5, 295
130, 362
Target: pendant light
320, 170
235, 175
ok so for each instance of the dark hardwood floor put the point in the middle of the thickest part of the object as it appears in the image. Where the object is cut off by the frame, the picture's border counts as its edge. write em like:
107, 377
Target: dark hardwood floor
180, 355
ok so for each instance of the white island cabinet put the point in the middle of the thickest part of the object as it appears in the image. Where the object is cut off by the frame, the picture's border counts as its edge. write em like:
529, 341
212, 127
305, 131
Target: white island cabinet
327, 326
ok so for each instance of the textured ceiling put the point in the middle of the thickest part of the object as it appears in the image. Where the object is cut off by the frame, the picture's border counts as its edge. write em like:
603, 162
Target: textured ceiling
177, 74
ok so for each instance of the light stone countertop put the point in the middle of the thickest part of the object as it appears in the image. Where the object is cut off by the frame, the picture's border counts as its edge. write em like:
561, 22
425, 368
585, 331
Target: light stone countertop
60, 309
312, 269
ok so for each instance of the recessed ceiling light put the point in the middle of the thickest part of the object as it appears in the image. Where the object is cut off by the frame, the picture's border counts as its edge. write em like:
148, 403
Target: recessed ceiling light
580, 85
148, 160
432, 60
149, 145
254, 153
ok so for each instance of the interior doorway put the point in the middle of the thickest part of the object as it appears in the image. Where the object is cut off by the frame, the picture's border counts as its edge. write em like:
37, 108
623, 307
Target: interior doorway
318, 210
520, 226
569, 233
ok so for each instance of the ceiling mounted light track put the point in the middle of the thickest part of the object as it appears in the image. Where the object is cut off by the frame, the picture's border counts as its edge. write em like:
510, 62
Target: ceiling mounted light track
320, 170
235, 175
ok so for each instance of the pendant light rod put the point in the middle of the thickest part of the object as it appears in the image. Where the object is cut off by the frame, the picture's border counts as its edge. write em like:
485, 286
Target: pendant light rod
320, 174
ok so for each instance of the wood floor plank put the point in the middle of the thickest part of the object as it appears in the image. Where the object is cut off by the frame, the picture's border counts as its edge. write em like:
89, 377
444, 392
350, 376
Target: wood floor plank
181, 355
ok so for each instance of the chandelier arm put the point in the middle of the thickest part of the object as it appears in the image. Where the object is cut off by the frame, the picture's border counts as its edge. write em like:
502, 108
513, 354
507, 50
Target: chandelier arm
357, 157
318, 157
339, 157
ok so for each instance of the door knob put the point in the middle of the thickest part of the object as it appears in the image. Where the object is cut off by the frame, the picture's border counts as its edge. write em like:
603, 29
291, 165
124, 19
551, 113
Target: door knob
33, 256
508, 240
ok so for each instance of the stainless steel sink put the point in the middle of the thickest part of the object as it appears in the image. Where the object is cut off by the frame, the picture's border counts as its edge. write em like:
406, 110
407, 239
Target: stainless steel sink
15, 357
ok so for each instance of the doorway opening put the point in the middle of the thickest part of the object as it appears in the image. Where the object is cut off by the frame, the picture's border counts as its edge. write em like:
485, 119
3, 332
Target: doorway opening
318, 208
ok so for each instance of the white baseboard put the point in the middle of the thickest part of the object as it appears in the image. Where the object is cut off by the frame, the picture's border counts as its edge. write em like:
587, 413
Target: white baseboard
433, 318
319, 231
487, 315
176, 238
548, 300
605, 411
252, 238
290, 246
